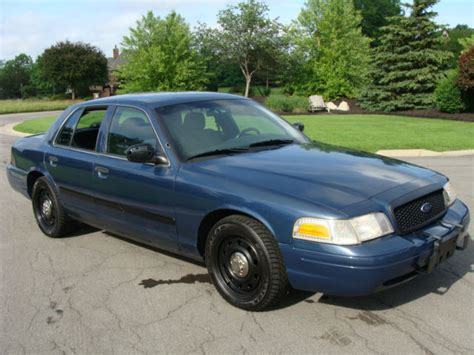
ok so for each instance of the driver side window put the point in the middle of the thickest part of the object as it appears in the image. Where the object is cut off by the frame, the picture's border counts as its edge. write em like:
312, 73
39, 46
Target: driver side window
129, 127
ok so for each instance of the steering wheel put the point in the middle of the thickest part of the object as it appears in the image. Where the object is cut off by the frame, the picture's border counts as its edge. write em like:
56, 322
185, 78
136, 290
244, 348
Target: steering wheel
247, 131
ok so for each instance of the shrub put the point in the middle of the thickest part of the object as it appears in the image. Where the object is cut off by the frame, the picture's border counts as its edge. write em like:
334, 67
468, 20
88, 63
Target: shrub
289, 90
264, 91
240, 90
283, 103
448, 95
465, 79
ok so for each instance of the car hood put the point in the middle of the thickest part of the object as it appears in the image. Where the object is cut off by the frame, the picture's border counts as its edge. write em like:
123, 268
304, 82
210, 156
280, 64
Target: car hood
318, 173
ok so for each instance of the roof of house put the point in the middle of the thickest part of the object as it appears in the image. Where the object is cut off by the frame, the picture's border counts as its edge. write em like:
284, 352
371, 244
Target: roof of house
115, 63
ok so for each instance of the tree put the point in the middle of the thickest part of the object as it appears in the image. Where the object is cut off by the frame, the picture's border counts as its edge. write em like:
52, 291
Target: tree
76, 66
248, 37
219, 71
454, 42
466, 70
336, 53
375, 15
15, 75
466, 77
160, 56
408, 63
466, 43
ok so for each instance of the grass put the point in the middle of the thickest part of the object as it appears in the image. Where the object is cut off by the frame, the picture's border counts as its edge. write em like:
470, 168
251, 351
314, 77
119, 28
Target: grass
363, 132
33, 105
35, 126
375, 132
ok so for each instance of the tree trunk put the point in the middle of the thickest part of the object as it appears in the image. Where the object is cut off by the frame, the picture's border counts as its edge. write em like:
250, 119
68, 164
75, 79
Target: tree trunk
73, 94
248, 80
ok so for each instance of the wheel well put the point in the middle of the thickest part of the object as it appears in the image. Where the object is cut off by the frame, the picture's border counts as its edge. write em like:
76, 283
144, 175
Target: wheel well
30, 180
208, 222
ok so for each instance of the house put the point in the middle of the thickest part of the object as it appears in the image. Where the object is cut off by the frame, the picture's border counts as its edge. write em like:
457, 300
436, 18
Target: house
113, 65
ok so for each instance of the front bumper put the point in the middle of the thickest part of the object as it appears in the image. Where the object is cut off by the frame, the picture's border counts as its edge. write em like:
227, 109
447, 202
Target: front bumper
378, 264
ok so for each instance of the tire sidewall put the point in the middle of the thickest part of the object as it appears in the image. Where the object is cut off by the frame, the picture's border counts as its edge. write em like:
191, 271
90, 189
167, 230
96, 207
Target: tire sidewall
42, 183
216, 236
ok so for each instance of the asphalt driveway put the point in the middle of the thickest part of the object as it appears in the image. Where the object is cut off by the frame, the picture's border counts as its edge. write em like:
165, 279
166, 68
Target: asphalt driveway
96, 293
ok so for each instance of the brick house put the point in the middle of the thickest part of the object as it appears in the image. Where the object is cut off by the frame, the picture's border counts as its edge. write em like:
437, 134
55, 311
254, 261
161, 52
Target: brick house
113, 65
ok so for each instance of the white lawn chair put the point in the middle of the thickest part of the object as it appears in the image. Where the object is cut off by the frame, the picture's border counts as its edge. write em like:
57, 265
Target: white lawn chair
316, 103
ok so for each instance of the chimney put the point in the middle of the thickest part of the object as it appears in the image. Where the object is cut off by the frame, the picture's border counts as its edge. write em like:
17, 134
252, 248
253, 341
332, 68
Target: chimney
116, 53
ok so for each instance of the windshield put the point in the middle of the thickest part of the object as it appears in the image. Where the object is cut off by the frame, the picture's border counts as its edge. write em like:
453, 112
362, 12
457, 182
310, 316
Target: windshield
224, 127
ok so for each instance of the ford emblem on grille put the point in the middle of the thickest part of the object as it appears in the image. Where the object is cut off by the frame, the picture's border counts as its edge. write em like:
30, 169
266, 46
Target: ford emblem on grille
426, 207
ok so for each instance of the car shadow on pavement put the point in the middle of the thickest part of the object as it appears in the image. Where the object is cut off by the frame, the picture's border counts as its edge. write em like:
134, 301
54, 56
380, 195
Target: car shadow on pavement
438, 282
157, 250
81, 229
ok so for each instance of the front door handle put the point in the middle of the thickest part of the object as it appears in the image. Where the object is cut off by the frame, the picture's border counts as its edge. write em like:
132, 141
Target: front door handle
53, 161
101, 172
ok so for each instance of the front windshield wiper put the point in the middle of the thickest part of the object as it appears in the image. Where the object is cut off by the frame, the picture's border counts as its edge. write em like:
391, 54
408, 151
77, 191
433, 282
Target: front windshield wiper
219, 152
272, 142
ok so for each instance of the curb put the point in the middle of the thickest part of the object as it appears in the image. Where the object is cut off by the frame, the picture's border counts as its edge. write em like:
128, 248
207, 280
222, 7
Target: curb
423, 153
9, 131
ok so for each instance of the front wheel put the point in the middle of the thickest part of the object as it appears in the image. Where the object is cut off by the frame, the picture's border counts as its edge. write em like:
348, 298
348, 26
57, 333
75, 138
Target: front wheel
48, 210
245, 263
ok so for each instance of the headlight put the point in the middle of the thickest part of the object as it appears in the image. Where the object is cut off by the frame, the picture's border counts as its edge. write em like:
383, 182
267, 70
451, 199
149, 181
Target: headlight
343, 232
449, 194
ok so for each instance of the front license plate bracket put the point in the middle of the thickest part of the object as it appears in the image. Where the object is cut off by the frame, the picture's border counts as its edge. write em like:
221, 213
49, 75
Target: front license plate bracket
442, 250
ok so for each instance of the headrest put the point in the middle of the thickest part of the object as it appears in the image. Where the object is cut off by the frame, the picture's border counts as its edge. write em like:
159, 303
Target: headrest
133, 122
194, 121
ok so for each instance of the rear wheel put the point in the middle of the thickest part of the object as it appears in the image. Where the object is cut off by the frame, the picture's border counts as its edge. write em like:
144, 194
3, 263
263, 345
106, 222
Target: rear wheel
48, 210
245, 263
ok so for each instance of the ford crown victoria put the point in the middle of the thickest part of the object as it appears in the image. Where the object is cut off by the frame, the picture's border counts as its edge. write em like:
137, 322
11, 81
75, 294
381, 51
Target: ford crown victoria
219, 178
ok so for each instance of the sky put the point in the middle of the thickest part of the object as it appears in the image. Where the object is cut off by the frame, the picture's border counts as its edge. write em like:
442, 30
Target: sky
30, 26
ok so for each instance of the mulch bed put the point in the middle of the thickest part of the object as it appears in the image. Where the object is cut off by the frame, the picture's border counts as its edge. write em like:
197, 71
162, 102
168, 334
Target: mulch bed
432, 113
356, 109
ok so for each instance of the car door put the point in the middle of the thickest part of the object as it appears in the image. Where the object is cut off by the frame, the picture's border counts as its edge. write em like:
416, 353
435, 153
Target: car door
134, 199
69, 160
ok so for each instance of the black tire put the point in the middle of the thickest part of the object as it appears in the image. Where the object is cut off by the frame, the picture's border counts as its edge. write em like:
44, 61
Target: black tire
245, 264
56, 223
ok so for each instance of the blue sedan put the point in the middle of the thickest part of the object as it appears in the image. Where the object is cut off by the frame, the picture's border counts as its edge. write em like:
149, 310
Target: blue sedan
219, 178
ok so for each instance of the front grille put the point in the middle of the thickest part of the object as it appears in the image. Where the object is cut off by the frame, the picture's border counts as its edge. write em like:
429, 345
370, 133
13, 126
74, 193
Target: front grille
410, 216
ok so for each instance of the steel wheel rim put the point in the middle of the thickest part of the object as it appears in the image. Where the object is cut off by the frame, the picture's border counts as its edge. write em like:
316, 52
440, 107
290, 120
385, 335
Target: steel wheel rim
46, 211
246, 283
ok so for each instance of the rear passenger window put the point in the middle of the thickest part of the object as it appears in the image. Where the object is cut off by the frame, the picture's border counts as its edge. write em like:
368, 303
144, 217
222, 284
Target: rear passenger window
65, 135
87, 129
129, 127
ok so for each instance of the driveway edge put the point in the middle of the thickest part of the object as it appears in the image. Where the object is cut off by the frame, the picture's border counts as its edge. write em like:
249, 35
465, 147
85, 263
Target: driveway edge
415, 153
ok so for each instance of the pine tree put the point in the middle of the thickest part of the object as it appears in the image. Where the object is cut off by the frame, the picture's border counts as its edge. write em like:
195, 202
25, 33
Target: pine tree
408, 63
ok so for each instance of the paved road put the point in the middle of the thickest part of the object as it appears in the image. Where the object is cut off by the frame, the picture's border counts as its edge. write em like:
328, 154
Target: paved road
95, 293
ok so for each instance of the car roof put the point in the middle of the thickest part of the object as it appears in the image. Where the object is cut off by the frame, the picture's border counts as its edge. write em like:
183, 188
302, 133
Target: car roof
154, 100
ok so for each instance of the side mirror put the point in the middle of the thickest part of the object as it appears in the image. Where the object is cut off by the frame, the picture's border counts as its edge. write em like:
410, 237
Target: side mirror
299, 126
144, 153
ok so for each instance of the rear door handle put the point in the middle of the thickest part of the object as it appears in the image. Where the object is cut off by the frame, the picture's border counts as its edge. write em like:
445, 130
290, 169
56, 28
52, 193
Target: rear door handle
101, 172
53, 161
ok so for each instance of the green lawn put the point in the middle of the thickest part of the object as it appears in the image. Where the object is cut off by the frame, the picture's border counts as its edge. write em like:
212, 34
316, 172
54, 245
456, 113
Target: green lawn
34, 105
363, 132
35, 126
375, 132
